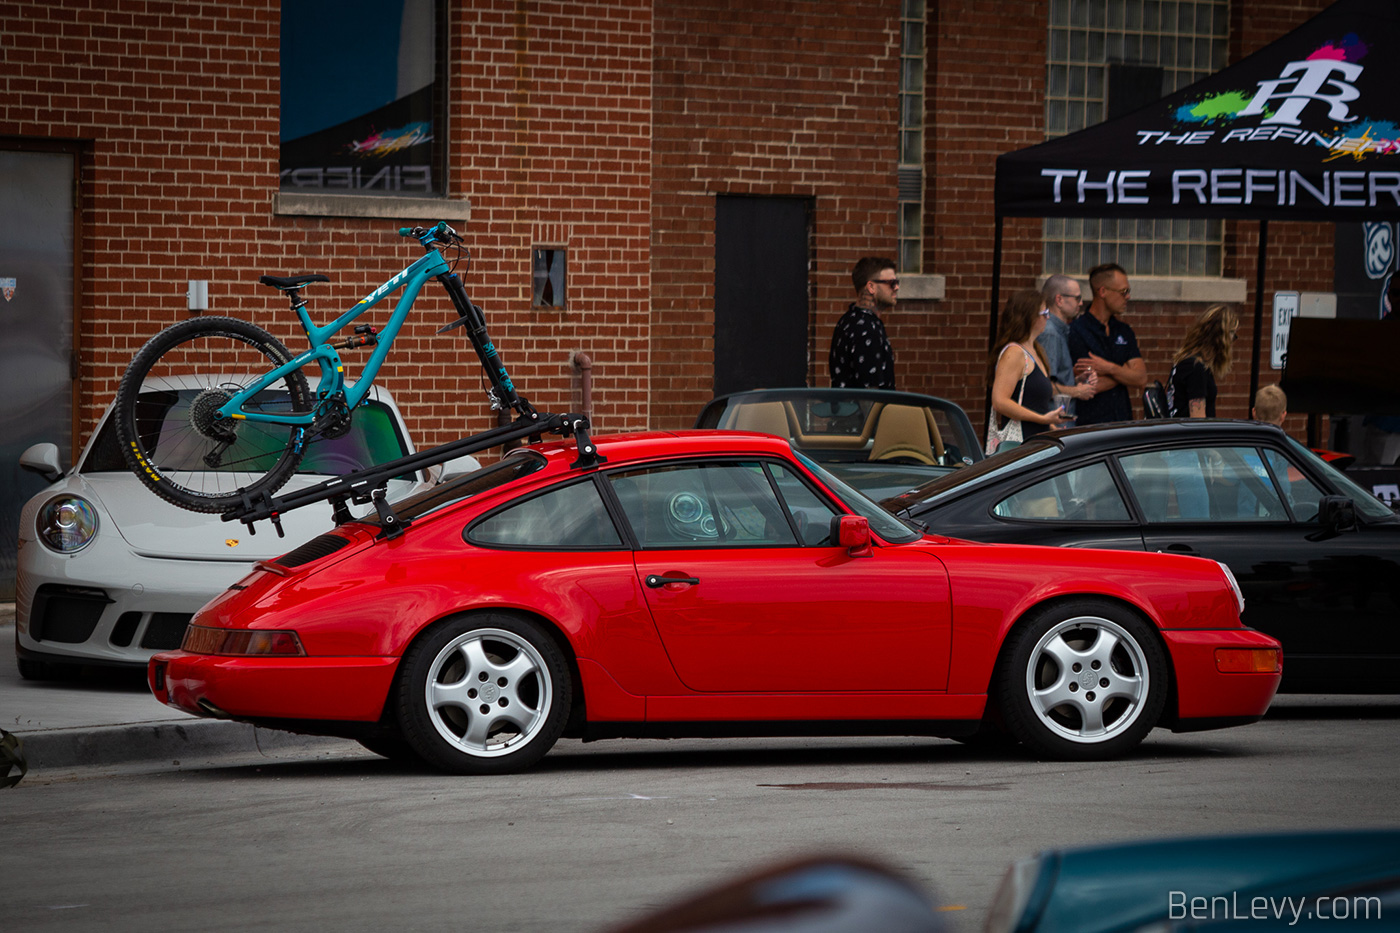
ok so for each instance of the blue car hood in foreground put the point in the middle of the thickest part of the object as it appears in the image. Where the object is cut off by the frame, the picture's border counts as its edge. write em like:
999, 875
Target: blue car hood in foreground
1127, 886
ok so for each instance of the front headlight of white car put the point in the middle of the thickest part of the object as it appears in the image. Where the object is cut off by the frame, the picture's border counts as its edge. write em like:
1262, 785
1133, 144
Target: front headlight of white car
66, 524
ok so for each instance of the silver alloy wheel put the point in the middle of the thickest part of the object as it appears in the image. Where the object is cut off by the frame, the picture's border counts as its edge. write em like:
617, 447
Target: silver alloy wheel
1087, 680
488, 692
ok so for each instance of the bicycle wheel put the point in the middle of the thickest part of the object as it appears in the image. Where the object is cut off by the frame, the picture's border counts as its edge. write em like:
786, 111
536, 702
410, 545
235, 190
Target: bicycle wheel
165, 414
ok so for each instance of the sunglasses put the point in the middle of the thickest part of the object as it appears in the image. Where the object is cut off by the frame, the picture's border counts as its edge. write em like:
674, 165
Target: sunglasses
892, 283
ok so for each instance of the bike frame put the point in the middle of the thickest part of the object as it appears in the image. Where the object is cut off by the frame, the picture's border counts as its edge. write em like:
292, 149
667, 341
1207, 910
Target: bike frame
432, 265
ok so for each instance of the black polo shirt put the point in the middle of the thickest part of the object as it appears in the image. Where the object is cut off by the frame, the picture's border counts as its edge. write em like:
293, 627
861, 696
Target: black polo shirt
1118, 346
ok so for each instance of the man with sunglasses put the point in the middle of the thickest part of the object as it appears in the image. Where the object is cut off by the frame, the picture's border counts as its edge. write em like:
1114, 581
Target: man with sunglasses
861, 356
1064, 301
1101, 343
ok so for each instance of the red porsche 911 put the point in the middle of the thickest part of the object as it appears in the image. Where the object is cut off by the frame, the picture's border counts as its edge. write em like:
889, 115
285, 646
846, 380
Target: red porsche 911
707, 583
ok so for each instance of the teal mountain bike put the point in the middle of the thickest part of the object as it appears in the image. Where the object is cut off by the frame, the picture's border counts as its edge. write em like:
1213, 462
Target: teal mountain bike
215, 410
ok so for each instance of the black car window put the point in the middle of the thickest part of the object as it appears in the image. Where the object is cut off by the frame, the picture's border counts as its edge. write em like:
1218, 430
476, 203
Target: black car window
703, 505
1087, 494
1203, 484
1366, 503
1304, 498
809, 512
569, 517
984, 471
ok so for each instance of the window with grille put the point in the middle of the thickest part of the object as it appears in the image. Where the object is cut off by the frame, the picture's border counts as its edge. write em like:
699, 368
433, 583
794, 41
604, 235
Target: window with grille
911, 136
1105, 58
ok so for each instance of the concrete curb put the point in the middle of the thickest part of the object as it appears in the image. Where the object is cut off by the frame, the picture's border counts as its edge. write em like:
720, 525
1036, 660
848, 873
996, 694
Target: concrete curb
151, 743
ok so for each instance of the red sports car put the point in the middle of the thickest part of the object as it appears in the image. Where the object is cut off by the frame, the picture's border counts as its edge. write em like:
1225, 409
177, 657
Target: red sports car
707, 583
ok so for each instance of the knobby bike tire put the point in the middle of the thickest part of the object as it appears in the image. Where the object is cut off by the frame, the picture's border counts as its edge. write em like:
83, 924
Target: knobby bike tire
168, 435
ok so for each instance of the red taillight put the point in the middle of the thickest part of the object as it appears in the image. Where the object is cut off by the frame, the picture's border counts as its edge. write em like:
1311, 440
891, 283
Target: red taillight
200, 639
1248, 660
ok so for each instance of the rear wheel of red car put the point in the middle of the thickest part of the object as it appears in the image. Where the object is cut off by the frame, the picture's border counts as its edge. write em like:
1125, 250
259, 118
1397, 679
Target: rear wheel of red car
1083, 680
486, 693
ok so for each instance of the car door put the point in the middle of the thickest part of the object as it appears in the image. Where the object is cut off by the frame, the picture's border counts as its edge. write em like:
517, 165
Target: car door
1329, 598
750, 594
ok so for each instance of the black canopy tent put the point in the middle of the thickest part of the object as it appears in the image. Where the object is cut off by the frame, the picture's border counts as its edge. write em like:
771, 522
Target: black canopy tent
1305, 129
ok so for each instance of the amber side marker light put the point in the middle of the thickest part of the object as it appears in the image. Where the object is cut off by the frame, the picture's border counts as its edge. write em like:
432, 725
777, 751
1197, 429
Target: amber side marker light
200, 639
1248, 660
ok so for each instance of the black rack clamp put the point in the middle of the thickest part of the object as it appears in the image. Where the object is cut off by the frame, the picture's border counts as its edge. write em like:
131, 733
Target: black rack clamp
368, 485
264, 506
588, 455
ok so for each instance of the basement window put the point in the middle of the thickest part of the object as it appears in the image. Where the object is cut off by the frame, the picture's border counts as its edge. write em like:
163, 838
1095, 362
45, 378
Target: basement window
549, 269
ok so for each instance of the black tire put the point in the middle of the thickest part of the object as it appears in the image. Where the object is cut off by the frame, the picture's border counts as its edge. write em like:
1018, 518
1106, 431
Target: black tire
1082, 680
483, 693
168, 437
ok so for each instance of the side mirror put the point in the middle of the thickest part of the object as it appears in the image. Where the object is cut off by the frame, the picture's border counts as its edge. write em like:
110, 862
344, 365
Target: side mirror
852, 532
42, 459
1336, 514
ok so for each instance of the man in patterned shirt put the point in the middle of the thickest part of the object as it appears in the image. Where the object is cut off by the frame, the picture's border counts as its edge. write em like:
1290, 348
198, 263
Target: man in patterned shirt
861, 357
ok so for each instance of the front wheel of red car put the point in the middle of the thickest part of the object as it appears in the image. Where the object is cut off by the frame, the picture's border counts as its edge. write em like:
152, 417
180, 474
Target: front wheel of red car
485, 693
1083, 680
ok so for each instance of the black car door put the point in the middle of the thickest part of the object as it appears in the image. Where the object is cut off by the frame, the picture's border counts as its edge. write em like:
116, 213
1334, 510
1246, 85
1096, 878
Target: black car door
1329, 598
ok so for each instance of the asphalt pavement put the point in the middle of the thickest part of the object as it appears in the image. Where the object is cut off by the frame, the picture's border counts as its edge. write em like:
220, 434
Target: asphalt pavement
109, 719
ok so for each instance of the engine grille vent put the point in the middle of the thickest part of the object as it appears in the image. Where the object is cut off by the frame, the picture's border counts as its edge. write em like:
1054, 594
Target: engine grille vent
315, 549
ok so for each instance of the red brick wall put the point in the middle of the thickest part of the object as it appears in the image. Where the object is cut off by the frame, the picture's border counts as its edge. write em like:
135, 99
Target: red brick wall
606, 127
985, 97
178, 103
787, 98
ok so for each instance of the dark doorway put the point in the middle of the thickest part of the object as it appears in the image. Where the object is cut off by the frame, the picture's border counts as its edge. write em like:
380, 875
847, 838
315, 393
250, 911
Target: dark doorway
37, 279
761, 311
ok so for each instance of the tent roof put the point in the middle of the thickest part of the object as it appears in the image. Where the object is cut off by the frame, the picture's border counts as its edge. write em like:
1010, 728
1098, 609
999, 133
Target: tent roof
1307, 128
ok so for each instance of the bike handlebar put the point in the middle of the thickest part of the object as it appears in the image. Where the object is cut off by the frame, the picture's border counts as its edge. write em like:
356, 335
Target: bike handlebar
426, 235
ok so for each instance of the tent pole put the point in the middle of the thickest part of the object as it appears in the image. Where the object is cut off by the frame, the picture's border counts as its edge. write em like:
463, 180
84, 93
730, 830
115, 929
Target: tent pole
1258, 311
992, 329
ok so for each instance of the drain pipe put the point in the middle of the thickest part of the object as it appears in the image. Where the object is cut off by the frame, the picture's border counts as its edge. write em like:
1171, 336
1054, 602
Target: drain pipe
582, 365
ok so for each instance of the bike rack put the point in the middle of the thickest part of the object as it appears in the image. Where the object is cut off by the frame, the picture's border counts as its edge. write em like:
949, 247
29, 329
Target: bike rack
367, 485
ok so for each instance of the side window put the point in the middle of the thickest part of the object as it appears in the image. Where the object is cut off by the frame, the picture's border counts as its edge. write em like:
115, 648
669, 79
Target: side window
1303, 497
703, 504
571, 517
810, 513
1084, 495
1204, 484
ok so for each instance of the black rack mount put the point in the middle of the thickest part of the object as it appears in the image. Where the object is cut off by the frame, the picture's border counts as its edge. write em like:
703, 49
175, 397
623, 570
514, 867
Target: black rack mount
368, 485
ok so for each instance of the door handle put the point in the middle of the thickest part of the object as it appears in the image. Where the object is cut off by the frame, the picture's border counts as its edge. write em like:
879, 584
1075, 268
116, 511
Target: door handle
1182, 549
654, 581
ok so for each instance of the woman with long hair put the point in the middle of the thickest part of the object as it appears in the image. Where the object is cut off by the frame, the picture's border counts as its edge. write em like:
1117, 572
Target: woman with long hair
1204, 357
1021, 386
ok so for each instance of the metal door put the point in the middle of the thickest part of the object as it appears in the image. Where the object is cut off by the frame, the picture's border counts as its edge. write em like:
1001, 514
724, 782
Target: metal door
761, 309
37, 286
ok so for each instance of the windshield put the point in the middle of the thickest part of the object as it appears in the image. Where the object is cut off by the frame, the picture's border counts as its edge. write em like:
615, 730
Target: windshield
884, 524
374, 437
983, 471
1366, 503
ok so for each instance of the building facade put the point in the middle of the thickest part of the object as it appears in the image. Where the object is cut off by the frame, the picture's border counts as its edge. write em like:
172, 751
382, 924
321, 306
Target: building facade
628, 145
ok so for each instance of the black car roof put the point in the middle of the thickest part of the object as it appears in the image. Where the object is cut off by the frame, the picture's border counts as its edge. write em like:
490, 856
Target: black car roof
1125, 434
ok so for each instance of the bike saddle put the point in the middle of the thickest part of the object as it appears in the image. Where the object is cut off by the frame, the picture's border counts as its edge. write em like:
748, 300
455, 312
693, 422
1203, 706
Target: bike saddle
289, 282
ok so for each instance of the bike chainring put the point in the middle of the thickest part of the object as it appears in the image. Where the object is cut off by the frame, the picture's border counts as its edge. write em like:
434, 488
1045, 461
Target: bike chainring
332, 419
